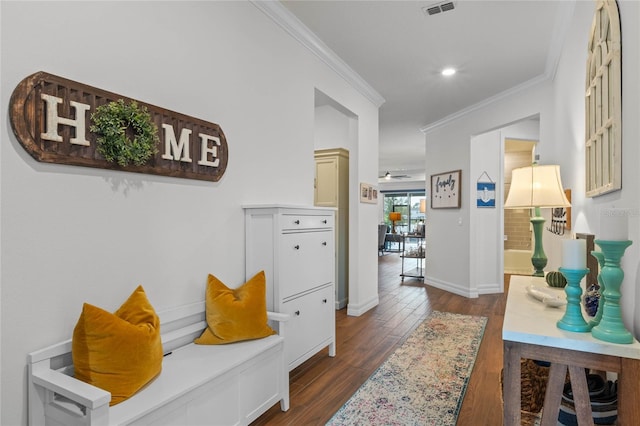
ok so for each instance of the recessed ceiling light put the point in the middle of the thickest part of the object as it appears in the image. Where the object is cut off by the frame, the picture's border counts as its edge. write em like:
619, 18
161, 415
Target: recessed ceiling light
448, 72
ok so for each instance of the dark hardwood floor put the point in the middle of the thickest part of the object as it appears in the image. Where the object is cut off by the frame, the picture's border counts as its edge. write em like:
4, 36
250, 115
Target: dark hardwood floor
320, 386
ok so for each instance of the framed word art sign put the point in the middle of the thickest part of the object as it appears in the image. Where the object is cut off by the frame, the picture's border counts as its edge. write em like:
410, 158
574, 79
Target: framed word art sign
62, 121
445, 190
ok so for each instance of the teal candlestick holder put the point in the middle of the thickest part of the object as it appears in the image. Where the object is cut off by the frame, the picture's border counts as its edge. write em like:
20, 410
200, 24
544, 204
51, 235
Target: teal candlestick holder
596, 320
573, 319
611, 328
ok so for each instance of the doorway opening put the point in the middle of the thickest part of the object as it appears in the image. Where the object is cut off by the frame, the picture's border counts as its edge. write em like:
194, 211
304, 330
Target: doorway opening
410, 205
518, 234
335, 140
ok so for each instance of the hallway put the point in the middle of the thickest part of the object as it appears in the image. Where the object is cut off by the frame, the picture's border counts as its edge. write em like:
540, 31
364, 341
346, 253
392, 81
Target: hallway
321, 385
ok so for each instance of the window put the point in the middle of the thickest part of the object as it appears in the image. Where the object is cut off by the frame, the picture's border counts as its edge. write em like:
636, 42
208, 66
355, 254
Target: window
603, 102
411, 208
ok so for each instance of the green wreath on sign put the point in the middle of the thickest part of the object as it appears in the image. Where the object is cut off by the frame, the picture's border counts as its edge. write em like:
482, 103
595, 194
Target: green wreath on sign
126, 133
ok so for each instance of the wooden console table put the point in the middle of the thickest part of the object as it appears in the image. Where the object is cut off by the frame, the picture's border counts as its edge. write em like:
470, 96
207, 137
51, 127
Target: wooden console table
530, 331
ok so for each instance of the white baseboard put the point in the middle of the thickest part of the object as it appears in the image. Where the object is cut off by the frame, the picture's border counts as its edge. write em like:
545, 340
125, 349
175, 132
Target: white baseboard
359, 309
341, 304
452, 287
492, 288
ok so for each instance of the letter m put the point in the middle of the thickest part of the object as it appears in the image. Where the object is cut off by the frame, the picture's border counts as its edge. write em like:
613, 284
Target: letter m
176, 150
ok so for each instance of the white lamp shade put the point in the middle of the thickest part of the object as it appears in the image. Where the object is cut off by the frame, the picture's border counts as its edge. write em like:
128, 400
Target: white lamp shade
536, 186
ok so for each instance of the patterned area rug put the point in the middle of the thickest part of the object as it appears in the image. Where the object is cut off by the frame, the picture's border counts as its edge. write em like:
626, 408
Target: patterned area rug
423, 382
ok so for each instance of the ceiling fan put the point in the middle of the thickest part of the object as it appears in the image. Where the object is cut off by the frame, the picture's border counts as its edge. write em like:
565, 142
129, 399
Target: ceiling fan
389, 176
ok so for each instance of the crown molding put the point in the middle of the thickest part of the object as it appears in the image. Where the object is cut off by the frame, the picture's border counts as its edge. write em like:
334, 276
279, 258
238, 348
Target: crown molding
300, 32
560, 30
561, 27
466, 111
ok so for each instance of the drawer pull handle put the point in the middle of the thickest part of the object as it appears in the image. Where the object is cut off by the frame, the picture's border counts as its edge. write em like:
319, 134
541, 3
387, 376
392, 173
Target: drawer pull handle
324, 221
324, 300
297, 247
297, 313
297, 222
324, 243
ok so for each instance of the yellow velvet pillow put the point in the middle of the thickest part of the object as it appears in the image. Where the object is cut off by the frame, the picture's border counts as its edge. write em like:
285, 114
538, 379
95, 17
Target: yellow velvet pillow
235, 314
119, 352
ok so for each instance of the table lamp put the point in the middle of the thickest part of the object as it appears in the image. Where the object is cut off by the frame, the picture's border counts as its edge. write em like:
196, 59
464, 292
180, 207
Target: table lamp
393, 217
536, 187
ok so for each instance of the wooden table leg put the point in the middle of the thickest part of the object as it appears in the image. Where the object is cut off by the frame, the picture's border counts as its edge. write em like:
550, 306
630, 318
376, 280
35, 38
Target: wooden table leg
553, 396
581, 399
511, 384
628, 392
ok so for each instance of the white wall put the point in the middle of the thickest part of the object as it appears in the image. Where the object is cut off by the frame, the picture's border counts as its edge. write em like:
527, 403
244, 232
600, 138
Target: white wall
560, 104
448, 147
72, 235
588, 217
332, 128
486, 241
402, 185
567, 132
486, 229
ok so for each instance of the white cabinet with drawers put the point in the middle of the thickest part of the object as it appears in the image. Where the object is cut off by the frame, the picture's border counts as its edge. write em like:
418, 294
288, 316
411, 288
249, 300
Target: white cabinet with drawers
295, 246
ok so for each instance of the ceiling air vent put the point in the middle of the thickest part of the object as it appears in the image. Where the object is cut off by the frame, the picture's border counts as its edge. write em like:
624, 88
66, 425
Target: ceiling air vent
438, 7
447, 6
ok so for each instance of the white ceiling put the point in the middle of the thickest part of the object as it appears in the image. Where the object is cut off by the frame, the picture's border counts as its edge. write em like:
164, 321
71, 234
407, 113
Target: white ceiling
496, 46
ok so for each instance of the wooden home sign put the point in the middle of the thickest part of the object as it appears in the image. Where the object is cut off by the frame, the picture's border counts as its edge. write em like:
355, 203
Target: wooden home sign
51, 117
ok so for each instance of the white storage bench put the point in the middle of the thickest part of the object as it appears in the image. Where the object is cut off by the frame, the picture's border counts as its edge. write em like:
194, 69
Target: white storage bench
199, 384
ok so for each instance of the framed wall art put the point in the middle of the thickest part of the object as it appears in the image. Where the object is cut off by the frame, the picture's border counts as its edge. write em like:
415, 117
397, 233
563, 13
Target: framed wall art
445, 190
368, 193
